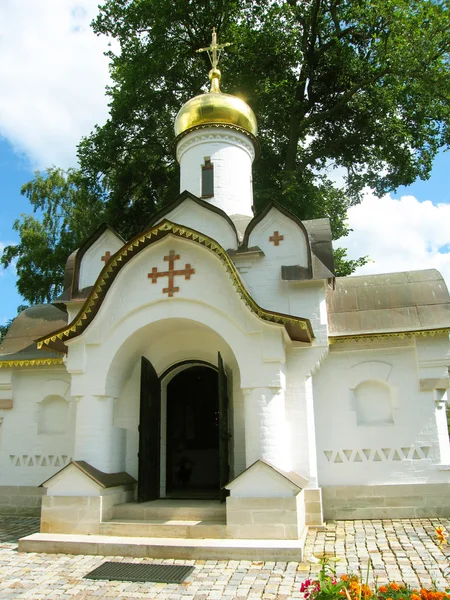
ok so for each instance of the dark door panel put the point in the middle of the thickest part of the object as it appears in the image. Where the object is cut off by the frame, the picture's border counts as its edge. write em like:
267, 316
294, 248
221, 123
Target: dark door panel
224, 430
149, 433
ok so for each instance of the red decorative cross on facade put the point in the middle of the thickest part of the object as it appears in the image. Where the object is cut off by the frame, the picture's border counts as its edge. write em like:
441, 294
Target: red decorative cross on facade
276, 238
171, 273
106, 257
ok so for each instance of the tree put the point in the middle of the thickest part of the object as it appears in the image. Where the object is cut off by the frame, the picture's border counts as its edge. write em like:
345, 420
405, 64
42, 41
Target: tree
363, 87
4, 329
68, 210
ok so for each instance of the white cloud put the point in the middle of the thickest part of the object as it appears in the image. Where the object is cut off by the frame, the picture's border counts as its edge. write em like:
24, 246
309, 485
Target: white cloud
52, 77
399, 235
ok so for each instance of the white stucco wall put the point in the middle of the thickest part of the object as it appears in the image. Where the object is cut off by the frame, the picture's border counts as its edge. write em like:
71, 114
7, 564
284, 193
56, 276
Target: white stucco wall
32, 445
231, 154
360, 442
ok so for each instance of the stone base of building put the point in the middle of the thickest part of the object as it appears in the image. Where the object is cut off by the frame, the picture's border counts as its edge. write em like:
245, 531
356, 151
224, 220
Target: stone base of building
405, 501
21, 500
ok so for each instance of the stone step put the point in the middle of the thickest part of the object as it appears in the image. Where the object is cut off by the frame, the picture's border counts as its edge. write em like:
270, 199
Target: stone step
171, 510
164, 529
187, 549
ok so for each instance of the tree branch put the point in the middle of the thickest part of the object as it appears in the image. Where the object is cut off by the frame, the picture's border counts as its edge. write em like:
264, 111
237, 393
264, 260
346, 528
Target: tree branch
327, 114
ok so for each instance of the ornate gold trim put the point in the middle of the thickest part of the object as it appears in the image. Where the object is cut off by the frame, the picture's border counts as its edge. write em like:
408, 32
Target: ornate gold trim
36, 362
142, 240
372, 337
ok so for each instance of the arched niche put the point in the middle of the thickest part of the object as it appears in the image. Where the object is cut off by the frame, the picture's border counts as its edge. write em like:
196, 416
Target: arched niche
53, 415
373, 403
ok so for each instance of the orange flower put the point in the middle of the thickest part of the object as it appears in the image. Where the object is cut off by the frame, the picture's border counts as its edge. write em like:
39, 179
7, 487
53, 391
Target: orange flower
424, 593
394, 586
344, 577
442, 536
383, 589
414, 597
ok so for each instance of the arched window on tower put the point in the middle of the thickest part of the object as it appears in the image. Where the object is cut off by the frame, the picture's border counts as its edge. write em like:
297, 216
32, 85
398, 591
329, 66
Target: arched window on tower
207, 179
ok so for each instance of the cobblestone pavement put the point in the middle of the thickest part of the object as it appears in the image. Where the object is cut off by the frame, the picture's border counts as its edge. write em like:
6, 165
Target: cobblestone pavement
400, 550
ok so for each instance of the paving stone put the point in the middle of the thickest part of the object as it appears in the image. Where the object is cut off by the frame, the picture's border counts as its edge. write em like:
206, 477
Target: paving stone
400, 550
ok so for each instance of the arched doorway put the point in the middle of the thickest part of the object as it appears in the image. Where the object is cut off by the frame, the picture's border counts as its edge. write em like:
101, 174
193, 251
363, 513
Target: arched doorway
184, 431
192, 434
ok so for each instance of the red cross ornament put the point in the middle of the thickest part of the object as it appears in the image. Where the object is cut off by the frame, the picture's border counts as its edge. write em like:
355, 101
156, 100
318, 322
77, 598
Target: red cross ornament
276, 238
171, 273
106, 257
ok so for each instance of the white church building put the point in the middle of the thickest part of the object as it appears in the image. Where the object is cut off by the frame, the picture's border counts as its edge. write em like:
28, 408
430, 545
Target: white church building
211, 380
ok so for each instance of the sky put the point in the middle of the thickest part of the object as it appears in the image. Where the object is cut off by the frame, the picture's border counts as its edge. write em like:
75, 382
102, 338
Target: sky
53, 75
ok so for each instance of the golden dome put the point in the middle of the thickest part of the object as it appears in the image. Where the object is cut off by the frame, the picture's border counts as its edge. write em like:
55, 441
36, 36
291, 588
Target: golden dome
215, 108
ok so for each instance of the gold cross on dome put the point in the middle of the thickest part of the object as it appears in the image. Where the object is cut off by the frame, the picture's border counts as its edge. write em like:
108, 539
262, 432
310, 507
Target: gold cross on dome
215, 50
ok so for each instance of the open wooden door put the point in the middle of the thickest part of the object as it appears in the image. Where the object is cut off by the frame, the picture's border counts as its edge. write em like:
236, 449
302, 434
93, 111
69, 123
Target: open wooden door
224, 433
149, 433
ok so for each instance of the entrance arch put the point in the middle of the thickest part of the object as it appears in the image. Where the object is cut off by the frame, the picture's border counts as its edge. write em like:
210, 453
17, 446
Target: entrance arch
184, 431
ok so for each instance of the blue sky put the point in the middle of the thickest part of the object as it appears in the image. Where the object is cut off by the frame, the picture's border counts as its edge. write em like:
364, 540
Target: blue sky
52, 79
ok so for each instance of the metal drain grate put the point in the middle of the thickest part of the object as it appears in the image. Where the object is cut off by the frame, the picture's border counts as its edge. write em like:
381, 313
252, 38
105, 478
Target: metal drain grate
118, 571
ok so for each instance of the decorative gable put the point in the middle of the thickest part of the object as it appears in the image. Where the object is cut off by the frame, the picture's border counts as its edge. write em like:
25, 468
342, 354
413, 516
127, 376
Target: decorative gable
283, 240
96, 256
192, 212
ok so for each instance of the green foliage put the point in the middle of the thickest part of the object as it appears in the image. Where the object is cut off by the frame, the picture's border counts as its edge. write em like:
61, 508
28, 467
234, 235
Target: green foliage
344, 266
4, 329
359, 86
68, 211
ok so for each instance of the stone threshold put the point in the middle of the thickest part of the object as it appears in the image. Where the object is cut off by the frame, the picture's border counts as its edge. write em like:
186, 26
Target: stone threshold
177, 548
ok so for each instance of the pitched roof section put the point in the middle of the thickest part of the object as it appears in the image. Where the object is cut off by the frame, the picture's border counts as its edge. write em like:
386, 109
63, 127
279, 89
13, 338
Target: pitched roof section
103, 480
367, 305
19, 346
298, 328
320, 238
291, 476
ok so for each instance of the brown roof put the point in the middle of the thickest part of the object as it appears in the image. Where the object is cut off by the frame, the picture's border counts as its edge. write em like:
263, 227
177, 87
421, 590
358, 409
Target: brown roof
31, 324
391, 302
293, 477
104, 480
